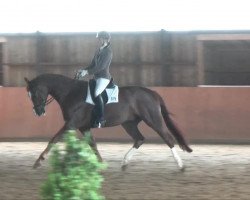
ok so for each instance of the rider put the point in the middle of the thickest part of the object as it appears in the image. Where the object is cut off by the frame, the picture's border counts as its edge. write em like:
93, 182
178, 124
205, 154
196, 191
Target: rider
99, 68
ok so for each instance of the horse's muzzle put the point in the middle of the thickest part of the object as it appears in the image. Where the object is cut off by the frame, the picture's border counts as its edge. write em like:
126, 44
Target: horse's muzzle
39, 112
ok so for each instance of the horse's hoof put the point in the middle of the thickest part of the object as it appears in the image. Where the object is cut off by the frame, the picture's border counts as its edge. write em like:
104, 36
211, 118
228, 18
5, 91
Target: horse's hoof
182, 169
42, 158
124, 167
37, 164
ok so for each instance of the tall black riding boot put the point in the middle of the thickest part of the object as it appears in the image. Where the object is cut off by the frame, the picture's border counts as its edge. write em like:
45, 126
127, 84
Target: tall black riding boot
99, 122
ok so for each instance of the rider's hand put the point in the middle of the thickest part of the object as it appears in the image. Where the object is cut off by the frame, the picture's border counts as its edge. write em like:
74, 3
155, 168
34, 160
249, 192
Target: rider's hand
82, 72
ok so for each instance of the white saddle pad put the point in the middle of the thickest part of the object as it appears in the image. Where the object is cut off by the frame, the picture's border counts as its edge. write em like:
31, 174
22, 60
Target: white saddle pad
112, 94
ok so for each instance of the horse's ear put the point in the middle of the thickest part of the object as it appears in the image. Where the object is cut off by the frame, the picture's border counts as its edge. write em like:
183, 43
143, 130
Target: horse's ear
26, 80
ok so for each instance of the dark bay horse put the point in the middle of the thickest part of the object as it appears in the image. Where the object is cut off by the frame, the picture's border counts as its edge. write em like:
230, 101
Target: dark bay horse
136, 104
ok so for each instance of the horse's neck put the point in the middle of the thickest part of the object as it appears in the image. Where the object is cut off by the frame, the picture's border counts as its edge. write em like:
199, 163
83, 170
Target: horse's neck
58, 94
59, 89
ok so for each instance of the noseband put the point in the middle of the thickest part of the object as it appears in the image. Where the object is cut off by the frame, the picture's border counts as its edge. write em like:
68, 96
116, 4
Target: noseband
44, 103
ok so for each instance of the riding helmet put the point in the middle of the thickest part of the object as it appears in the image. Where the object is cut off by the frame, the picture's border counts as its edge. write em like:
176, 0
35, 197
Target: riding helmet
104, 35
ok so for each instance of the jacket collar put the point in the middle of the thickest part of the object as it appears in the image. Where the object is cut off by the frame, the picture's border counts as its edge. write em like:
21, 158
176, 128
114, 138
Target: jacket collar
105, 46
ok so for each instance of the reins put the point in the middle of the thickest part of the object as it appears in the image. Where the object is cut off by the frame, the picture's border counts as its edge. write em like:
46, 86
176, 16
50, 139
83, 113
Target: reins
48, 101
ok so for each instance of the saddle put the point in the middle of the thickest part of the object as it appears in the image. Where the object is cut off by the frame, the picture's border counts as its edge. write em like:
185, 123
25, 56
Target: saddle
109, 95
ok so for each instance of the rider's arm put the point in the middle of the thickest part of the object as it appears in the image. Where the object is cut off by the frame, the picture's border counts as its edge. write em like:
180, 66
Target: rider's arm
101, 62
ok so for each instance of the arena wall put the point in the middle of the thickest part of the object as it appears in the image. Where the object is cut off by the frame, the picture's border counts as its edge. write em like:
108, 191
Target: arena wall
205, 114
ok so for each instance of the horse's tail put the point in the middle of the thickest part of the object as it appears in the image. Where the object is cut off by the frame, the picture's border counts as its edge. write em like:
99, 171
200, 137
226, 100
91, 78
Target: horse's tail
174, 128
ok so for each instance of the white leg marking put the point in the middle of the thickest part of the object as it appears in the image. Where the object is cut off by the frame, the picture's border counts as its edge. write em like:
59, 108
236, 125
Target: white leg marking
177, 158
128, 156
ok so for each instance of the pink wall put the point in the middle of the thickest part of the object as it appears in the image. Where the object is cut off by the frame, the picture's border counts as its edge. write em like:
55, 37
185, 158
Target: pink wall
205, 114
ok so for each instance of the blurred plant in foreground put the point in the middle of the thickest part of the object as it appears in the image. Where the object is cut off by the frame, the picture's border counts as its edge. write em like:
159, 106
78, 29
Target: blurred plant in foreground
75, 171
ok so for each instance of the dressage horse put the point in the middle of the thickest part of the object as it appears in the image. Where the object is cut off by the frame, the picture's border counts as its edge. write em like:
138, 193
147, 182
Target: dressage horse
135, 104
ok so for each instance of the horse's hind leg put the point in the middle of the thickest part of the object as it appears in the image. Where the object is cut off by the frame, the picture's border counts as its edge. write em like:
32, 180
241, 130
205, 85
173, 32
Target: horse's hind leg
92, 143
132, 129
154, 120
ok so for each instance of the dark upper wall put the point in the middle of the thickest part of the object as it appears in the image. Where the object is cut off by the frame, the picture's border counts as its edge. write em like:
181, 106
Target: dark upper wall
148, 58
140, 58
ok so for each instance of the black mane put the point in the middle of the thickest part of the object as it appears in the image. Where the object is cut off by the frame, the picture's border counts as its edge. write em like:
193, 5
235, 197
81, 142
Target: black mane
57, 78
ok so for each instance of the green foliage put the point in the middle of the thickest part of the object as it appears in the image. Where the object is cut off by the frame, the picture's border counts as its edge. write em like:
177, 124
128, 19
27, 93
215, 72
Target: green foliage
75, 171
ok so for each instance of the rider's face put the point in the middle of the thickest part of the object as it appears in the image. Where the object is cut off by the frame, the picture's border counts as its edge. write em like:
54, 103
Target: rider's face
100, 41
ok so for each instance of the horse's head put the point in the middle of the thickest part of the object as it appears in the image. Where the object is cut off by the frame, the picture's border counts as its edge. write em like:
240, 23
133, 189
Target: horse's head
38, 94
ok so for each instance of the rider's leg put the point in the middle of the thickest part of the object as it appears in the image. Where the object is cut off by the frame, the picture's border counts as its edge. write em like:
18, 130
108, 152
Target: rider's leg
101, 84
99, 122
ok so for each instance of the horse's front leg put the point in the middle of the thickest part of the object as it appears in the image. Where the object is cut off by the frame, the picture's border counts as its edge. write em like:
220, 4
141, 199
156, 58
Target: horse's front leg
54, 140
92, 143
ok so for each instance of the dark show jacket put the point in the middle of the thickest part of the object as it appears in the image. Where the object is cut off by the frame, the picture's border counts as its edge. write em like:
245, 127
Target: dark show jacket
99, 66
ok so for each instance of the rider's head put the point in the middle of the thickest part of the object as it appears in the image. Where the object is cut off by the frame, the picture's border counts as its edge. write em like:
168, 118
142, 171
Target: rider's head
103, 36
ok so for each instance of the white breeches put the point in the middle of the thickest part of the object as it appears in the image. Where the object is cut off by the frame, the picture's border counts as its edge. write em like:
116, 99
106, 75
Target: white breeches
101, 84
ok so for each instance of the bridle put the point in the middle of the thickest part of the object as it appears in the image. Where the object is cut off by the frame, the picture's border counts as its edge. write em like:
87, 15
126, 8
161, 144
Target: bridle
44, 103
